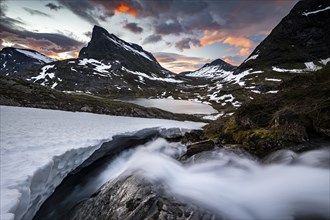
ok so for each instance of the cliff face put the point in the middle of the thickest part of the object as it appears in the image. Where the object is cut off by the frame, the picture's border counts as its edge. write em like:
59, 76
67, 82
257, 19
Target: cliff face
301, 36
106, 46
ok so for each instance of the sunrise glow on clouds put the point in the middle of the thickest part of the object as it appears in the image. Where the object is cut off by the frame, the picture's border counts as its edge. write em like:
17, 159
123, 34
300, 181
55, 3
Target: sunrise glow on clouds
182, 34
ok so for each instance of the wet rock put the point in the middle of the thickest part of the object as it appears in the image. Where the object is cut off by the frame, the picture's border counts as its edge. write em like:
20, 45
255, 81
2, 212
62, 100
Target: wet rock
290, 125
133, 197
198, 147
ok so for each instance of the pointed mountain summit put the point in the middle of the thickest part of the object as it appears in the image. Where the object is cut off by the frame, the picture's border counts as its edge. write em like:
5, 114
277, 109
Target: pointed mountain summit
300, 41
106, 46
219, 62
108, 66
16, 61
214, 69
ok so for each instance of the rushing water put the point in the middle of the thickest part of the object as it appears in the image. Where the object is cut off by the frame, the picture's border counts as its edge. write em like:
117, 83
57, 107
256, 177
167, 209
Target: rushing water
233, 185
175, 106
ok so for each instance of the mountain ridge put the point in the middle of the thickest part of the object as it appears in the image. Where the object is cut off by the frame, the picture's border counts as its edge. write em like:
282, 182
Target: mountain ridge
17, 60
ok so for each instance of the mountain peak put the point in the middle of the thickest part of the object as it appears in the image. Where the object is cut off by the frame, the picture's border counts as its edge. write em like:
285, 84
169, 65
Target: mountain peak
15, 60
103, 45
220, 62
109, 47
215, 69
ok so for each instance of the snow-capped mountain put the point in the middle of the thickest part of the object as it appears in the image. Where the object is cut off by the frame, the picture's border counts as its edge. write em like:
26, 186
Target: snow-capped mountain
106, 46
212, 70
108, 66
16, 61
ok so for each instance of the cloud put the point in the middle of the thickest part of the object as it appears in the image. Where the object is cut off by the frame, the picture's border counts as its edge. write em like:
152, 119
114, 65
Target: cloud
152, 39
47, 43
212, 37
54, 7
133, 27
244, 51
110, 8
239, 42
186, 43
88, 34
36, 12
168, 28
234, 60
179, 63
125, 8
84, 9
228, 60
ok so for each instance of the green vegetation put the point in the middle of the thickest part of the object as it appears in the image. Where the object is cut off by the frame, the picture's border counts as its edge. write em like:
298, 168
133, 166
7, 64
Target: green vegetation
299, 111
15, 92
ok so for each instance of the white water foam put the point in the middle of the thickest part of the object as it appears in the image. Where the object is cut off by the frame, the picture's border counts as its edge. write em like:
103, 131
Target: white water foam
237, 187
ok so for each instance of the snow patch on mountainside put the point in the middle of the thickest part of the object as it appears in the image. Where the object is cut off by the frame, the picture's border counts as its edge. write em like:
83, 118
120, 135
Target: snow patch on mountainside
44, 75
209, 72
310, 66
251, 58
98, 65
315, 12
273, 80
325, 61
36, 55
144, 75
129, 48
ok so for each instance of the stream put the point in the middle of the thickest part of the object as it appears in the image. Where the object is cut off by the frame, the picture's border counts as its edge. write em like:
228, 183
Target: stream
232, 184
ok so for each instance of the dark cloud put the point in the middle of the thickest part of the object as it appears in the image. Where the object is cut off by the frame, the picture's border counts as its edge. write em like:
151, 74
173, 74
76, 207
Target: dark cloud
54, 7
152, 39
48, 43
3, 8
168, 28
239, 18
36, 12
88, 34
84, 9
133, 27
186, 43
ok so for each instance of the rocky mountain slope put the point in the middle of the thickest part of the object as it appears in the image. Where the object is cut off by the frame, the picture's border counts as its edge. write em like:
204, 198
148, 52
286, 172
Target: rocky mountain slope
17, 92
299, 43
15, 61
110, 67
284, 85
214, 70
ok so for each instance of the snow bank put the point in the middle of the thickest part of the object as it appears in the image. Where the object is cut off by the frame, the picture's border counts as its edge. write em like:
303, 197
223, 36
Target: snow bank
210, 72
251, 58
40, 147
36, 55
154, 78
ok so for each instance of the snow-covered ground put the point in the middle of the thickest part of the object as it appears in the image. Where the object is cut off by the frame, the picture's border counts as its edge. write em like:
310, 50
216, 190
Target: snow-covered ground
40, 147
36, 55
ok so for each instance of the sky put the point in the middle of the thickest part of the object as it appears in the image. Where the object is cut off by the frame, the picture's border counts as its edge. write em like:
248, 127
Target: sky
183, 35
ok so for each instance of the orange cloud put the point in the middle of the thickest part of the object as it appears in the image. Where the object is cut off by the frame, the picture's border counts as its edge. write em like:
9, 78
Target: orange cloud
125, 8
244, 51
211, 37
229, 61
64, 55
239, 42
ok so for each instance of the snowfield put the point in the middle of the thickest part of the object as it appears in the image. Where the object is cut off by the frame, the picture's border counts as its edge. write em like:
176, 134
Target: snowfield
36, 55
40, 147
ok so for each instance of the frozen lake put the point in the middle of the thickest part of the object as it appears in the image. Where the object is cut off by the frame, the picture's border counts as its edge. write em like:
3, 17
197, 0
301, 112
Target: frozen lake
175, 106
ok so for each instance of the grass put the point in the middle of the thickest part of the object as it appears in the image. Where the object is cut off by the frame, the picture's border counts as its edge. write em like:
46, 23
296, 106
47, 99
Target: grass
17, 92
302, 107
